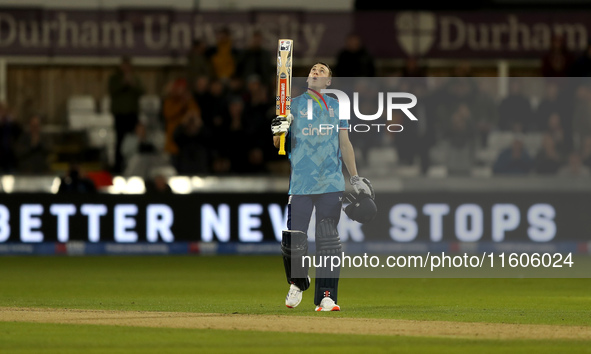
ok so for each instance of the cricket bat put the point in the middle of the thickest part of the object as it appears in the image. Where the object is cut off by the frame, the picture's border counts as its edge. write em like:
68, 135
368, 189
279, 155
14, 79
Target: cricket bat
283, 97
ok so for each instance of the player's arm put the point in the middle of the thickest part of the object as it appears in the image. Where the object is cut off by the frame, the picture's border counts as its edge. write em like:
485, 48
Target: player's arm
347, 151
360, 184
276, 140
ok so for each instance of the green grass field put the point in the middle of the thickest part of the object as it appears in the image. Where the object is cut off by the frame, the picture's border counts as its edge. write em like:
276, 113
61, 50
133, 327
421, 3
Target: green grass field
256, 285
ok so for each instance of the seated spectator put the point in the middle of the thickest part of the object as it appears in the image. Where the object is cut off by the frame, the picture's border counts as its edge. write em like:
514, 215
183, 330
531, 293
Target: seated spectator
562, 140
31, 152
142, 152
125, 91
255, 93
256, 162
513, 160
193, 140
515, 111
200, 92
353, 60
101, 178
461, 90
256, 60
223, 56
549, 159
245, 151
461, 142
575, 167
157, 184
241, 151
75, 183
10, 132
217, 120
215, 113
259, 111
177, 104
553, 102
484, 109
582, 111
586, 151
198, 64
220, 164
238, 151
365, 142
236, 87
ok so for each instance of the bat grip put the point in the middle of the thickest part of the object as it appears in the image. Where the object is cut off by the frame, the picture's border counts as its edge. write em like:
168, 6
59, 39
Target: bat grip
282, 144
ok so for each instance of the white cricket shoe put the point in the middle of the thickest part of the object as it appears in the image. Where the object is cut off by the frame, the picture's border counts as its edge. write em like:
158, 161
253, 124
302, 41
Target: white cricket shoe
294, 296
327, 304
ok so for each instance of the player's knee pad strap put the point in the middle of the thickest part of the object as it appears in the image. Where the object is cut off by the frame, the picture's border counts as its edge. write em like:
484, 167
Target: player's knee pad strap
294, 243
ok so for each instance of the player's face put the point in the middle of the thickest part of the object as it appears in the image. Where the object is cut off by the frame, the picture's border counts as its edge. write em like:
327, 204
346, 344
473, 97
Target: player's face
319, 77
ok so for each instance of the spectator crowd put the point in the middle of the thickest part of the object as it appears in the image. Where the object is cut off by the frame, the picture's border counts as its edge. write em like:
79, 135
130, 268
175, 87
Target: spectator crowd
214, 119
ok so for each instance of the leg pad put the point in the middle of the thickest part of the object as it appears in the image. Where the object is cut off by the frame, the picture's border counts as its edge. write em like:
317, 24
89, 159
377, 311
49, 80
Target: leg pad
328, 243
294, 246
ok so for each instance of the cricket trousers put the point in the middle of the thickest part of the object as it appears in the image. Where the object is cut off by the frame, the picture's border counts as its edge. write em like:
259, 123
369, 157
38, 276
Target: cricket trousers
299, 214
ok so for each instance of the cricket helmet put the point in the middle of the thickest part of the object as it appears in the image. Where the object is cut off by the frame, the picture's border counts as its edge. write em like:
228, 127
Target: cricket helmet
362, 208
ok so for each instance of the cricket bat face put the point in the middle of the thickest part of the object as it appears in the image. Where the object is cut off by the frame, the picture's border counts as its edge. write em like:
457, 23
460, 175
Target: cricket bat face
283, 97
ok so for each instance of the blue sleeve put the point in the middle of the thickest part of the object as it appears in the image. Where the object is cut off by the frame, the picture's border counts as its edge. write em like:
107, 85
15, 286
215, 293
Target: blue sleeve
343, 123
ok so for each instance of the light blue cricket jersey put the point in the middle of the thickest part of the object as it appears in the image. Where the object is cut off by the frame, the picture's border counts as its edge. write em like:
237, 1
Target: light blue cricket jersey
313, 145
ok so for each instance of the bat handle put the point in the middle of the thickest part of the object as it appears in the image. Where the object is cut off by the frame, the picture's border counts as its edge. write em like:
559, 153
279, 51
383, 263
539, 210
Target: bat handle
282, 144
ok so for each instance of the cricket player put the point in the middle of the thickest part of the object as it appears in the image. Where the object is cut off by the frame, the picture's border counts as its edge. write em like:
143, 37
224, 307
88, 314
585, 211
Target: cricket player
316, 148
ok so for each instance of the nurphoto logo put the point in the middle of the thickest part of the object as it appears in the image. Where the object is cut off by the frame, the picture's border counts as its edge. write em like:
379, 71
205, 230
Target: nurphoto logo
345, 112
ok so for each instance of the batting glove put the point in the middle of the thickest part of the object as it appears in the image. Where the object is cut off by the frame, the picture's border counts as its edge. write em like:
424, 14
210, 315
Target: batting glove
362, 184
280, 124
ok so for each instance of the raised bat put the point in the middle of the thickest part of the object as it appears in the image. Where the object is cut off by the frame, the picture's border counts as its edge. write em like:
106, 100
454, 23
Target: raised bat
283, 98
